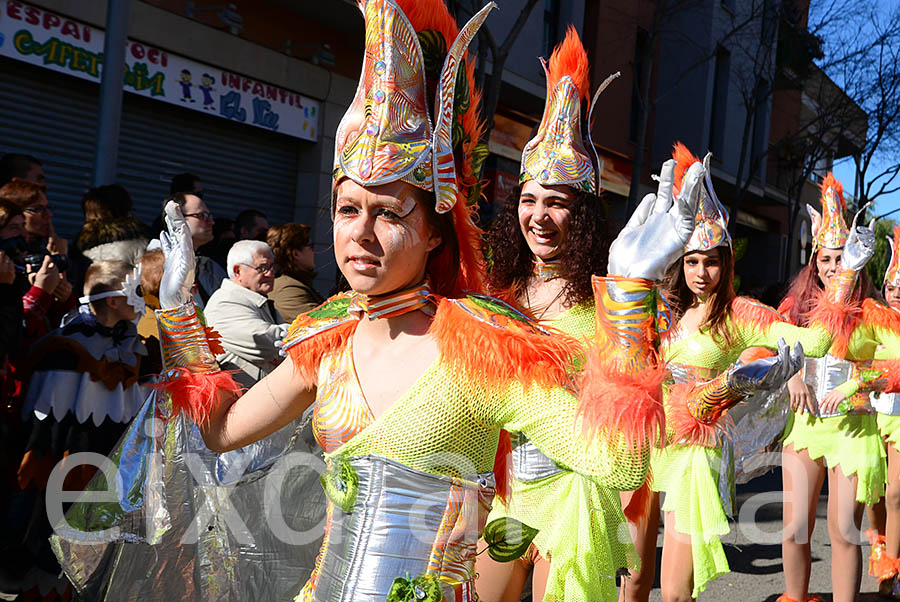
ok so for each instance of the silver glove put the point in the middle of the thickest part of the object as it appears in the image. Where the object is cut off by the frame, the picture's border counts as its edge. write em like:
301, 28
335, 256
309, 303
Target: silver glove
860, 245
659, 228
769, 373
178, 269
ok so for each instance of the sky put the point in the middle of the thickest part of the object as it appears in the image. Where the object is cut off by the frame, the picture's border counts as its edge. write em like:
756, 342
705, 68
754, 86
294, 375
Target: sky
844, 169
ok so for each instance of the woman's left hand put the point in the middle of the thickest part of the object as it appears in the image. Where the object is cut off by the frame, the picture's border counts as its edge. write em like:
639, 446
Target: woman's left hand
830, 403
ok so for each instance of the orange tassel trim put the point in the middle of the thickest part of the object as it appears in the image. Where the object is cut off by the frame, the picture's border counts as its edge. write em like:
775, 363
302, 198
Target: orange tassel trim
307, 355
638, 508
503, 467
839, 319
570, 58
612, 401
785, 598
198, 395
890, 369
881, 316
786, 305
745, 311
884, 567
685, 427
465, 342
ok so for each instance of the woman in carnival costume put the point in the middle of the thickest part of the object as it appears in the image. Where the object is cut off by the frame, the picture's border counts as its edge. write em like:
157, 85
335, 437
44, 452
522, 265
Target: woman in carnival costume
884, 517
706, 350
410, 457
544, 245
832, 429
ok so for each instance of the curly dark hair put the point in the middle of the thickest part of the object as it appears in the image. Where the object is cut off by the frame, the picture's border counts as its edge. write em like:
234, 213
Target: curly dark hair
511, 261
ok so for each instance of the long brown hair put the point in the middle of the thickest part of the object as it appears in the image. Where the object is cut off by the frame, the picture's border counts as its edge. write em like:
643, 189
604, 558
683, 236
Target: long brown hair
806, 287
681, 298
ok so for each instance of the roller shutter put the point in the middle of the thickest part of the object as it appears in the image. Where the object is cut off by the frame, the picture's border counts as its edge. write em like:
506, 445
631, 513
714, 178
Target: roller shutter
54, 117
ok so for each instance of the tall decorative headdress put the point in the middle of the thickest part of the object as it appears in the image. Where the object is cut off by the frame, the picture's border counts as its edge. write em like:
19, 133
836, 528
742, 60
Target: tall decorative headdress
829, 230
557, 153
711, 226
416, 54
892, 275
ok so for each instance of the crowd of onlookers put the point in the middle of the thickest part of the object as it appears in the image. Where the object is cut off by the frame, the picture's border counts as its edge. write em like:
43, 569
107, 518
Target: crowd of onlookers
78, 337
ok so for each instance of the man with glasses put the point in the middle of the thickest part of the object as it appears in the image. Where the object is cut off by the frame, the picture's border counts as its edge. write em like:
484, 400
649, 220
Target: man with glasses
209, 274
241, 312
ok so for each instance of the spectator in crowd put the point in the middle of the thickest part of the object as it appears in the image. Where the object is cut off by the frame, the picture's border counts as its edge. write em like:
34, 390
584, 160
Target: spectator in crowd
46, 293
106, 202
151, 275
85, 388
251, 224
32, 199
209, 275
242, 314
25, 168
186, 182
223, 238
110, 232
18, 166
293, 292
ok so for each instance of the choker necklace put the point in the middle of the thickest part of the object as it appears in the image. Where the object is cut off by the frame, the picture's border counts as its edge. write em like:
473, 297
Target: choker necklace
393, 304
547, 270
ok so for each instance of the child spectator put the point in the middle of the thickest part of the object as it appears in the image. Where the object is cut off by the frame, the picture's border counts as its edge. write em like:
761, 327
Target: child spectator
84, 389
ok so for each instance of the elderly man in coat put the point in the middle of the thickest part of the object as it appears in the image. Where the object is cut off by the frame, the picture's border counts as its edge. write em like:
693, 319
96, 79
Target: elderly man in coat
242, 313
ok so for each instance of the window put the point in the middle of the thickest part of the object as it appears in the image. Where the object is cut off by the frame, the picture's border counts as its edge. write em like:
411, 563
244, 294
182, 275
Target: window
640, 51
551, 26
720, 102
760, 127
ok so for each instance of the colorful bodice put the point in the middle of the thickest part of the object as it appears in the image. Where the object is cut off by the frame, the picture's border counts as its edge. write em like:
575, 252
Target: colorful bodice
341, 409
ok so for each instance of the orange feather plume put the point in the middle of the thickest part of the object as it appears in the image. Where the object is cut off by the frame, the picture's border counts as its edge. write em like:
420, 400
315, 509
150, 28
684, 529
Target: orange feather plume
430, 14
831, 182
896, 233
746, 311
570, 58
307, 355
685, 159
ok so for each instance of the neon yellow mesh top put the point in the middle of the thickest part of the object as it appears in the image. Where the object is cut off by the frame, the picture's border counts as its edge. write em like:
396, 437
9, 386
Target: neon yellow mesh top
448, 421
751, 324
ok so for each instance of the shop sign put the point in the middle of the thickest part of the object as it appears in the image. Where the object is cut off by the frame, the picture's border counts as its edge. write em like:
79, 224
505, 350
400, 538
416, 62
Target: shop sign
49, 40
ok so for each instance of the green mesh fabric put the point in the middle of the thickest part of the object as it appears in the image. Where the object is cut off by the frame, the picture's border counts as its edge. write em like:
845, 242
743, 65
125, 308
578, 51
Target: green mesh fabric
581, 527
851, 442
889, 428
689, 475
449, 425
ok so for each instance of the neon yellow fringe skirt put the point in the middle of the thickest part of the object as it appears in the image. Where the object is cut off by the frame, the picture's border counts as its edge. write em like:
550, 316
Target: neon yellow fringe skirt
851, 442
581, 530
689, 475
889, 427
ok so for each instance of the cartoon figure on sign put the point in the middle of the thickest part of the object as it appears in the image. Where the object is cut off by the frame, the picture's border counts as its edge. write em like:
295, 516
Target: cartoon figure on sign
186, 84
206, 86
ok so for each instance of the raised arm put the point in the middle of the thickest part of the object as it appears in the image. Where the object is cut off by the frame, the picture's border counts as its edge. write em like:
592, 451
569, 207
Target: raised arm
835, 317
194, 381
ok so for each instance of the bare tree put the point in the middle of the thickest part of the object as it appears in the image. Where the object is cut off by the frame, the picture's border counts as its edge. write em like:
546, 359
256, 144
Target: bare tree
488, 47
875, 82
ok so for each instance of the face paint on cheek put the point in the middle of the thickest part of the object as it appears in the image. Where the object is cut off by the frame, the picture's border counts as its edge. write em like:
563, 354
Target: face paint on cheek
407, 205
402, 235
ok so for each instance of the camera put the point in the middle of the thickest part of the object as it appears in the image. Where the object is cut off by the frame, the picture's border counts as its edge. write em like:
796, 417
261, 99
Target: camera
35, 260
